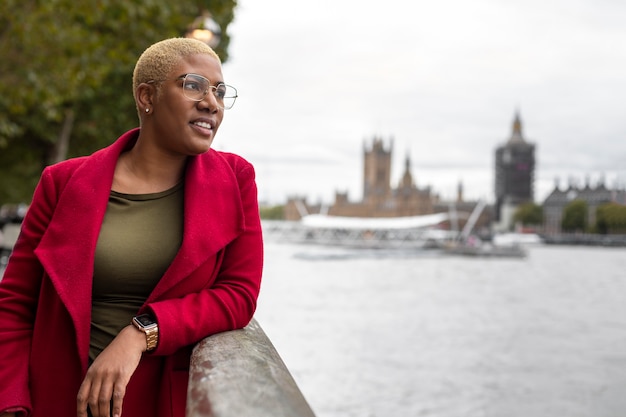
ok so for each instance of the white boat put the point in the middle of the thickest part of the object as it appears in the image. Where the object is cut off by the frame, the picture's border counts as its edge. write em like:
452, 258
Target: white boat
470, 245
363, 232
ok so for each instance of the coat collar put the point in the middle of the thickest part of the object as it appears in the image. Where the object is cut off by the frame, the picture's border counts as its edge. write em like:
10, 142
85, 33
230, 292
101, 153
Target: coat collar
213, 217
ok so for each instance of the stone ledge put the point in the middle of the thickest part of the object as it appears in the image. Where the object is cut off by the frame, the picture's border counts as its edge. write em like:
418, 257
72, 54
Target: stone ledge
240, 374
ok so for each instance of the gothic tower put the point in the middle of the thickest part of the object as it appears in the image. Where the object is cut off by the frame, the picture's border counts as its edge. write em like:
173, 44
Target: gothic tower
376, 173
515, 168
406, 183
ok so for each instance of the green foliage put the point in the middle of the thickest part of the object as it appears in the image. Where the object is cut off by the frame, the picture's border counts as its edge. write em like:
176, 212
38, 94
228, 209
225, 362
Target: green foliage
71, 62
529, 214
611, 218
575, 216
273, 213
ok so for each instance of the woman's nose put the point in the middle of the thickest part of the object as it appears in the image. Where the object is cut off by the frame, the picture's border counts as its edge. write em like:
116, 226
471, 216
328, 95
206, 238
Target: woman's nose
210, 100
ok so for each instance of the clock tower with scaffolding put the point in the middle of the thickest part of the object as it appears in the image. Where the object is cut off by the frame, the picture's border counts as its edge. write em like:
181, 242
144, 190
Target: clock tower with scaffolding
514, 175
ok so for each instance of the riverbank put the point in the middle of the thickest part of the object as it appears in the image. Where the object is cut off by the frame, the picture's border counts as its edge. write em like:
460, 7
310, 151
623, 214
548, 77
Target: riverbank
586, 240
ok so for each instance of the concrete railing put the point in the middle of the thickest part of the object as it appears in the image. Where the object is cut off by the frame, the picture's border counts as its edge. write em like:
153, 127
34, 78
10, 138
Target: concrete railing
240, 374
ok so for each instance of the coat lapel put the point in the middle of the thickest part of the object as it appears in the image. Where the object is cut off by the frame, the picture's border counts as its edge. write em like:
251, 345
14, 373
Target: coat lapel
213, 217
67, 248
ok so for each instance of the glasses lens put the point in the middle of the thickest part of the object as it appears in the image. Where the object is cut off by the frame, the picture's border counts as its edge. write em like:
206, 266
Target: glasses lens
226, 95
195, 87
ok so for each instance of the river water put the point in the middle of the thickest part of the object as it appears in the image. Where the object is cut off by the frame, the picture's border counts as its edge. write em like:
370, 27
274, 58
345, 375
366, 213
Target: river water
399, 334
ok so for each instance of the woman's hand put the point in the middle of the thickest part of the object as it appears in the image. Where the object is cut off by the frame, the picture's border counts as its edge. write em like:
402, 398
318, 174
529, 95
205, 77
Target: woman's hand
105, 383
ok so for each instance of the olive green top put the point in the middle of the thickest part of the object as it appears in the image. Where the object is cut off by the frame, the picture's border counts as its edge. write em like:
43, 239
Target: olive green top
140, 235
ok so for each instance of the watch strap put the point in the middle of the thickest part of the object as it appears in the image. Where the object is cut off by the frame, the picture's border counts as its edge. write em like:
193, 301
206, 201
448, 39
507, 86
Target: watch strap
149, 327
152, 338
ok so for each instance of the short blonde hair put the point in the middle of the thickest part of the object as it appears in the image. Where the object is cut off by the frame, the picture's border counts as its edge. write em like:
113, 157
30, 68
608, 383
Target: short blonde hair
156, 62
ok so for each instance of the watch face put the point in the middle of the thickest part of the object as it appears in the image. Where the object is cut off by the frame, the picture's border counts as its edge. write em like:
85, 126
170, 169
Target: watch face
145, 320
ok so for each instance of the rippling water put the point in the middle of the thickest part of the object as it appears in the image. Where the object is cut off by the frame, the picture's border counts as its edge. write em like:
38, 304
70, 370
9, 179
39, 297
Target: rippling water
391, 334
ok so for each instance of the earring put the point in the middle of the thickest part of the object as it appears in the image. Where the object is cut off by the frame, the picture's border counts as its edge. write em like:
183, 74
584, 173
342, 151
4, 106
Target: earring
147, 110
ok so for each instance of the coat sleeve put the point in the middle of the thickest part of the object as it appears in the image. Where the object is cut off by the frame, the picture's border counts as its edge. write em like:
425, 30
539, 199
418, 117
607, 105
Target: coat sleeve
19, 292
229, 302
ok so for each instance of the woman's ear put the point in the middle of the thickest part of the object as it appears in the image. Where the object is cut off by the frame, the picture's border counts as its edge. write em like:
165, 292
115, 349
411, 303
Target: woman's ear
145, 95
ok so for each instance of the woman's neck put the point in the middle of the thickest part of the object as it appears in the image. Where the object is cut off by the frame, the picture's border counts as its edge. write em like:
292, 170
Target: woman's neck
141, 172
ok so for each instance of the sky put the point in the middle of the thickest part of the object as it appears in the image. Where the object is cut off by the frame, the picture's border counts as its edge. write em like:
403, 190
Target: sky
439, 81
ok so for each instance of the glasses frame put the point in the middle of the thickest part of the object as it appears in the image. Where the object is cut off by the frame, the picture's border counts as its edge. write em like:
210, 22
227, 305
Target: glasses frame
220, 101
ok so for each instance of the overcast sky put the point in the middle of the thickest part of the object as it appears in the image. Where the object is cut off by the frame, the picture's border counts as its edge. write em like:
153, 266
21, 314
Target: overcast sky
443, 79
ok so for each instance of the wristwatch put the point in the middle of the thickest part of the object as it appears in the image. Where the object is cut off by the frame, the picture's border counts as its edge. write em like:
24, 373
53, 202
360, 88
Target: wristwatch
148, 325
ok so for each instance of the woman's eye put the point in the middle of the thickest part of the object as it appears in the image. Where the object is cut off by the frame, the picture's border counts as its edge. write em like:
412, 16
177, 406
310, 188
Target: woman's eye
193, 86
220, 91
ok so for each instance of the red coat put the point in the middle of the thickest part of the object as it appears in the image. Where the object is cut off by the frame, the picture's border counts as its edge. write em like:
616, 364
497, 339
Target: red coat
45, 296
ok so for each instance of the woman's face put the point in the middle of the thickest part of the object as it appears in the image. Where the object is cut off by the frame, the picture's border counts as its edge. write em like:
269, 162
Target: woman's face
185, 126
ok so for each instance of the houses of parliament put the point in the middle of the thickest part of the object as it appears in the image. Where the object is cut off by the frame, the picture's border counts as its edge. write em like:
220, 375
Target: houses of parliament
514, 186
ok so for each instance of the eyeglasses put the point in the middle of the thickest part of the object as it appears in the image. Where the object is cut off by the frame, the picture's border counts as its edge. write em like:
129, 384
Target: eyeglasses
196, 87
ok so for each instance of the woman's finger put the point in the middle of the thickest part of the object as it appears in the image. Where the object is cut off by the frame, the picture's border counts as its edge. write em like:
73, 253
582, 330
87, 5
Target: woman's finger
103, 398
118, 398
82, 398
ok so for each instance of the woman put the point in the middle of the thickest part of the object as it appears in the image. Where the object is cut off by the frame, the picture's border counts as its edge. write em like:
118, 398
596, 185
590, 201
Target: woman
156, 230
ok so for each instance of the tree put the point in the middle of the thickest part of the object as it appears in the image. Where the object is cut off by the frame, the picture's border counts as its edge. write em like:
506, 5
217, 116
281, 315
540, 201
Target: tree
529, 214
611, 218
273, 213
574, 216
66, 71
